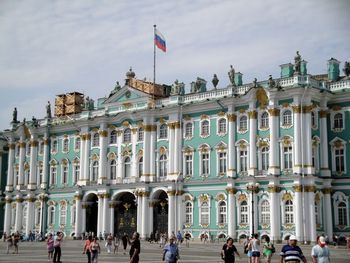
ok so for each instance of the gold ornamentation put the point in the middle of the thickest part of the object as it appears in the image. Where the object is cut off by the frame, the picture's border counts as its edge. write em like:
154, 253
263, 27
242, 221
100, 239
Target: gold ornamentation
296, 108
171, 193
140, 152
34, 143
231, 117
162, 150
287, 196
12, 146
161, 120
252, 114
285, 105
134, 130
22, 145
187, 117
298, 188
179, 192
274, 112
274, 189
127, 105
204, 117
126, 206
221, 113
231, 190
310, 188
241, 110
323, 114
261, 97
103, 133
242, 197
220, 197
327, 191
125, 123
338, 144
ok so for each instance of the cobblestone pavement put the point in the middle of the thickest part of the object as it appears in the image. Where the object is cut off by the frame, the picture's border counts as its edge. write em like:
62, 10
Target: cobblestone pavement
35, 252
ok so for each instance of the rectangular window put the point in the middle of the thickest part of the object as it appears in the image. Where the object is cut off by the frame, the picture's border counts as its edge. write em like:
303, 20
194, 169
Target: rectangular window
63, 215
339, 160
222, 163
205, 164
243, 155
64, 174
287, 154
188, 165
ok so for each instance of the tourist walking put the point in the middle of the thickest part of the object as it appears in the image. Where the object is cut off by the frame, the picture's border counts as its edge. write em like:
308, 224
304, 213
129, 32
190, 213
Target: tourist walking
255, 244
86, 248
162, 240
135, 248
95, 249
125, 242
50, 248
268, 249
57, 247
109, 242
291, 252
248, 249
15, 241
320, 252
171, 251
228, 251
116, 243
187, 239
9, 241
179, 237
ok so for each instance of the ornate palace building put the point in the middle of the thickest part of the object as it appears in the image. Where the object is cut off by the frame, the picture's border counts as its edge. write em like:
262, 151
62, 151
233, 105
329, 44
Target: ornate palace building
270, 157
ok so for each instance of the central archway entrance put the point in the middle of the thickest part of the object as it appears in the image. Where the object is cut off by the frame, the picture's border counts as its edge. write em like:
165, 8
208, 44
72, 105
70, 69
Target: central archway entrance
125, 214
91, 213
160, 213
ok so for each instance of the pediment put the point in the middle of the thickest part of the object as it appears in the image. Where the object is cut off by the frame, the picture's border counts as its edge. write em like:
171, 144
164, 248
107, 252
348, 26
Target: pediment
126, 94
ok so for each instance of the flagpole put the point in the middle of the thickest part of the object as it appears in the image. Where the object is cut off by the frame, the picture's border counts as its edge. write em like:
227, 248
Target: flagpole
154, 60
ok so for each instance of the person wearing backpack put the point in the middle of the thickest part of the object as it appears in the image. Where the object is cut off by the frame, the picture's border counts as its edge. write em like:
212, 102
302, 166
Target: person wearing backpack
268, 249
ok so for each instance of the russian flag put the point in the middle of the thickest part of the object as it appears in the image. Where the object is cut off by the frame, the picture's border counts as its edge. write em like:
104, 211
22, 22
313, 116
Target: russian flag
159, 40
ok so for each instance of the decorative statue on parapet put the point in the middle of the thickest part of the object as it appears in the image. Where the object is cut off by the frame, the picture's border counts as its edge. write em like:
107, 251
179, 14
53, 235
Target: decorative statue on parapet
48, 110
88, 103
297, 61
35, 122
199, 85
272, 84
116, 89
255, 83
215, 81
231, 75
347, 69
14, 116
178, 88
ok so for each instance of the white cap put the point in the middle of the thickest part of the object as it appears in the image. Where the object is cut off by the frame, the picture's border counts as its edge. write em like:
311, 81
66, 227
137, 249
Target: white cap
292, 237
322, 240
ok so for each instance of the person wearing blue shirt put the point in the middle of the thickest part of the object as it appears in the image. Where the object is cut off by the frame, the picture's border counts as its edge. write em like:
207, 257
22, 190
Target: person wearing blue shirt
171, 251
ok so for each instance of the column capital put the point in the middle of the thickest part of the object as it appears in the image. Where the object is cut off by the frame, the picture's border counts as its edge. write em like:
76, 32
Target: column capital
231, 117
323, 114
310, 188
296, 108
103, 133
327, 191
298, 188
171, 192
274, 189
274, 112
231, 190
12, 146
22, 145
252, 114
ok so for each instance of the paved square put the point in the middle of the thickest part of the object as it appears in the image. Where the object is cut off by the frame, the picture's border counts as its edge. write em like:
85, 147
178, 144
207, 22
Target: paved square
35, 252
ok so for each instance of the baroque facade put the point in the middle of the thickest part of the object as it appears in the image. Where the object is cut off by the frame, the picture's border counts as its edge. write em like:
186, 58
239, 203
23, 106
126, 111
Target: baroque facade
270, 157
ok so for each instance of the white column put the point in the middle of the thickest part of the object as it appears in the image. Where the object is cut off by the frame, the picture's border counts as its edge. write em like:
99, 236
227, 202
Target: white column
120, 158
145, 209
134, 171
33, 167
22, 149
105, 227
171, 139
297, 140
171, 212
82, 159
11, 159
328, 221
305, 211
252, 171
78, 215
231, 219
231, 157
87, 158
102, 174
30, 215
275, 213
7, 219
324, 144
111, 216
139, 213
274, 164
45, 163
179, 210
177, 149
307, 142
150, 217
298, 212
19, 210
310, 206
100, 214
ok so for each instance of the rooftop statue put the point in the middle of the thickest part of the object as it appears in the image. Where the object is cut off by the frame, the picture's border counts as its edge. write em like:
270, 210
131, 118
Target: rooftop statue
117, 87
347, 69
35, 122
14, 115
48, 110
198, 86
255, 83
178, 88
215, 81
297, 61
273, 84
231, 75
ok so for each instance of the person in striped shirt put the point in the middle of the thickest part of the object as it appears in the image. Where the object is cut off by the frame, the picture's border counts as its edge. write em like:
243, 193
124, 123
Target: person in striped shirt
292, 253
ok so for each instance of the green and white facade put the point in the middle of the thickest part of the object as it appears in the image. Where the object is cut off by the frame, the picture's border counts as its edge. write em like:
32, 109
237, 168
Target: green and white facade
219, 161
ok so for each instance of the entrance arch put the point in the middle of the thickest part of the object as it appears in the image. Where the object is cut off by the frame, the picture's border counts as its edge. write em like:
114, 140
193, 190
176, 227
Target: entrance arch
91, 213
160, 212
125, 214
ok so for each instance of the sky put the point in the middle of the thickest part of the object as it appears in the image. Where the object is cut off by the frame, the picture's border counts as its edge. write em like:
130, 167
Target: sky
54, 47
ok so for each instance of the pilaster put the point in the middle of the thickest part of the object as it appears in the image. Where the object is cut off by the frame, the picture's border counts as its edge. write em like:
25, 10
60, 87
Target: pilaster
231, 157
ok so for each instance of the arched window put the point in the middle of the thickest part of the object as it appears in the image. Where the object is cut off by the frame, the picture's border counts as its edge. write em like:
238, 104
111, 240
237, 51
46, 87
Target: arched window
127, 135
65, 143
188, 213
243, 123
77, 144
140, 134
204, 213
163, 166
338, 121
264, 121
287, 118
54, 145
51, 215
127, 167
222, 126
188, 130
140, 166
222, 212
163, 131
265, 158
94, 174
63, 214
244, 213
96, 140
342, 214
113, 170
205, 128
113, 137
288, 212
265, 212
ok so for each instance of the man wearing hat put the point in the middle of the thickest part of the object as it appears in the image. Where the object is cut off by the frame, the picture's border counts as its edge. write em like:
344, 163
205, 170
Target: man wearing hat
320, 252
291, 253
